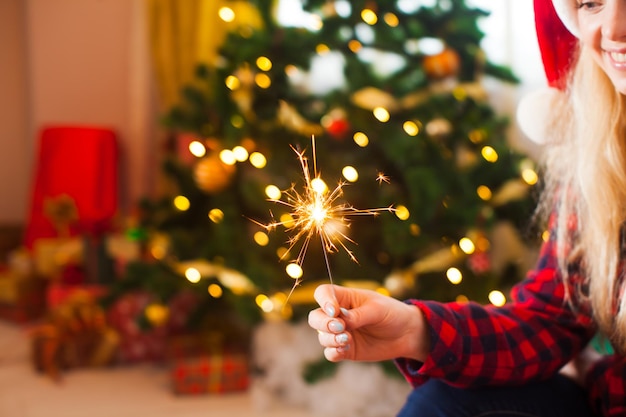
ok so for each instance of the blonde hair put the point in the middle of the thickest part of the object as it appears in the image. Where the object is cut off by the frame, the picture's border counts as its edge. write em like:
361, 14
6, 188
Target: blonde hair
586, 173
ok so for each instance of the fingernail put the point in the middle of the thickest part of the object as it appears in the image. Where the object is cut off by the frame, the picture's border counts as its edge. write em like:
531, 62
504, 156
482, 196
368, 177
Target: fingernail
342, 349
344, 311
335, 326
341, 338
329, 310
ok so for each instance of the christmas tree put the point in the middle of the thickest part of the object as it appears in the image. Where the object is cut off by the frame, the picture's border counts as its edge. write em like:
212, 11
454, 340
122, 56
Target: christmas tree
401, 120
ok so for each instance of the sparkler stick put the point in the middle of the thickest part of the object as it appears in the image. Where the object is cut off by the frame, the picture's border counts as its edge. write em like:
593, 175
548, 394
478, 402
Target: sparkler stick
316, 211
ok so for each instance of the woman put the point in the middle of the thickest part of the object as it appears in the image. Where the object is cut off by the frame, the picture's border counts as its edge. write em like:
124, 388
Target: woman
530, 357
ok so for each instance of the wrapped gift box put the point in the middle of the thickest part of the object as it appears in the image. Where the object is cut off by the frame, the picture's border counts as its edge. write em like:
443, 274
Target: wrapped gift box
74, 334
148, 344
58, 293
211, 373
22, 297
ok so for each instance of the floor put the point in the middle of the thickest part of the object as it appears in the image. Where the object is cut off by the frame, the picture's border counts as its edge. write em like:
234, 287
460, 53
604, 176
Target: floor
120, 392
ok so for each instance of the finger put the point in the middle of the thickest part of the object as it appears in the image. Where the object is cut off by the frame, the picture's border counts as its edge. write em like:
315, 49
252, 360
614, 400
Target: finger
334, 340
325, 297
337, 354
318, 319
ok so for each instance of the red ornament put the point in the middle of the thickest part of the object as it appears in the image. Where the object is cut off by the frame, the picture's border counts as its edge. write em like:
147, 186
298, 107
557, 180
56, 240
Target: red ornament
338, 128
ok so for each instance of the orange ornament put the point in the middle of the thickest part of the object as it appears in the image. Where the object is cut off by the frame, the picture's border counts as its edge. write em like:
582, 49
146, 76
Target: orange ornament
441, 65
212, 175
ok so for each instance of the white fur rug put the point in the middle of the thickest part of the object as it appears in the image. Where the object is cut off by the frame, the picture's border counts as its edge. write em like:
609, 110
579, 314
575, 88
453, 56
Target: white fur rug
120, 392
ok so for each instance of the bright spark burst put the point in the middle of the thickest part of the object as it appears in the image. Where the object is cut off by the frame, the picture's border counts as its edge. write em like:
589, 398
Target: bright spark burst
382, 178
315, 210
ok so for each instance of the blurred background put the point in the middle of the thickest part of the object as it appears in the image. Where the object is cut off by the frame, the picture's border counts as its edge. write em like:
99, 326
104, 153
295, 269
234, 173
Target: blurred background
158, 169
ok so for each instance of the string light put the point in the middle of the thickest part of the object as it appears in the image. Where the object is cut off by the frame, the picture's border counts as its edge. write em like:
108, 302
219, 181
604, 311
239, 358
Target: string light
497, 298
258, 160
411, 128
489, 154
240, 153
350, 173
216, 215
294, 271
454, 275
261, 238
264, 302
263, 80
197, 149
355, 46
369, 16
227, 156
273, 192
322, 49
215, 291
226, 14
264, 63
484, 192
381, 114
193, 275
467, 245
181, 203
402, 212
232, 82
529, 175
361, 139
391, 20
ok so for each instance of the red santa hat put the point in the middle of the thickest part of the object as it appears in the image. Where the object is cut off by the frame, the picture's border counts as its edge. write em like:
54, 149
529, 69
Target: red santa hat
567, 12
556, 24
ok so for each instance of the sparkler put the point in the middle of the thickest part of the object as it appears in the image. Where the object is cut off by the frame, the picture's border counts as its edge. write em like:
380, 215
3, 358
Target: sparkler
316, 211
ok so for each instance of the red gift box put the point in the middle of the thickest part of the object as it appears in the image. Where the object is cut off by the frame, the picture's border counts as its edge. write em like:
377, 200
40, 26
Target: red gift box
138, 344
210, 374
58, 293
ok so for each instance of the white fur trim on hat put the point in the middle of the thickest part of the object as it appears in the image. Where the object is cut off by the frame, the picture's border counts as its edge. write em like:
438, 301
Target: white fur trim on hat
533, 113
568, 12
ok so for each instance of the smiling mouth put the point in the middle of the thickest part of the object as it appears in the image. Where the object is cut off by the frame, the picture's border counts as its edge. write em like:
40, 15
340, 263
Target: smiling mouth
618, 57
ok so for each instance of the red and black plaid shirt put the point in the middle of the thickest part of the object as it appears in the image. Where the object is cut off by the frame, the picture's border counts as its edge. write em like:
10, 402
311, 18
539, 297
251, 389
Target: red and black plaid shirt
530, 338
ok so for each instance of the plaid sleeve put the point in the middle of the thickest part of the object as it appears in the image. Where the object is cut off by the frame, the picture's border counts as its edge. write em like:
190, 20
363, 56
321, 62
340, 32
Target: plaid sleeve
607, 386
529, 338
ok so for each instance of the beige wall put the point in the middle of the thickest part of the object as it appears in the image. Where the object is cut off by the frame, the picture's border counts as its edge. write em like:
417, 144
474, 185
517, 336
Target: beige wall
78, 62
15, 143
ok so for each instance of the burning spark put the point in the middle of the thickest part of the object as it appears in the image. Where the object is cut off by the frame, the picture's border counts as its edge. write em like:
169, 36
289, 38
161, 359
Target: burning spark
315, 210
382, 178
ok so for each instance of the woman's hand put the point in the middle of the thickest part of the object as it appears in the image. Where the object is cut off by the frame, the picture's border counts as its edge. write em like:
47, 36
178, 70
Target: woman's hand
364, 325
578, 368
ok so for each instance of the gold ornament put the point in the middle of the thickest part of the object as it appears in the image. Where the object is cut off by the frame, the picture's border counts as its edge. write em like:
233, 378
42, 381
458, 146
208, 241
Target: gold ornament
62, 213
289, 117
212, 175
442, 65
157, 314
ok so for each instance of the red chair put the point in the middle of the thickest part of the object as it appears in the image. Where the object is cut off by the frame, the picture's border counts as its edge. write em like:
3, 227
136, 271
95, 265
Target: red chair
80, 162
